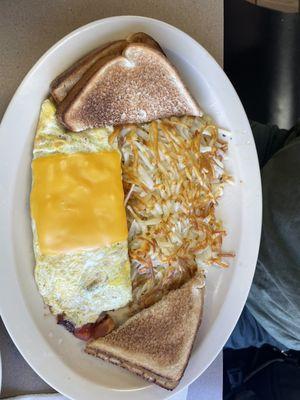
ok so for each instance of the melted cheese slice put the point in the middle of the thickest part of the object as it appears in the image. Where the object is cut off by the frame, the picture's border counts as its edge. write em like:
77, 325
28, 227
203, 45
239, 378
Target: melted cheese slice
77, 201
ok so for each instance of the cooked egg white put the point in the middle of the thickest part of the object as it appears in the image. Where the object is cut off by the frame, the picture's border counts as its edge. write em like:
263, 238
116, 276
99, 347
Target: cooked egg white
81, 283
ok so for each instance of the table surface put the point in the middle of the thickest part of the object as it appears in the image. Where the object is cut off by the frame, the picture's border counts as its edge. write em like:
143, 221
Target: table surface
27, 29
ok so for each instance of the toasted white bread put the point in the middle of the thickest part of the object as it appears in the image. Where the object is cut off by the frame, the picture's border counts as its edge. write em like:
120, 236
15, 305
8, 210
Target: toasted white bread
156, 343
136, 87
64, 82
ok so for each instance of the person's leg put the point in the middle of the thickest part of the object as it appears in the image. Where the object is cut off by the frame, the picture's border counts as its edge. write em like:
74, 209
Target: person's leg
249, 333
278, 380
268, 140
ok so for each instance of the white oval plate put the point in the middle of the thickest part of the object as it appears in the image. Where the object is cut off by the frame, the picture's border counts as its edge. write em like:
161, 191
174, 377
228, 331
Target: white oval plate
51, 351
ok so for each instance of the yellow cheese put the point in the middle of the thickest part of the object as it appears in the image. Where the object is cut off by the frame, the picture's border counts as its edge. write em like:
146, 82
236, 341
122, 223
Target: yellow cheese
77, 201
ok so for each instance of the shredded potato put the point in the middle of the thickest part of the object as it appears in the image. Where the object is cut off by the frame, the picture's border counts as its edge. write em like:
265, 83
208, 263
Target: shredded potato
173, 176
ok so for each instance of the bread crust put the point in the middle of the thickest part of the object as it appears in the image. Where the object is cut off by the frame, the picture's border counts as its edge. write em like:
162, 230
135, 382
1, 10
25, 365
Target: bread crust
142, 37
144, 373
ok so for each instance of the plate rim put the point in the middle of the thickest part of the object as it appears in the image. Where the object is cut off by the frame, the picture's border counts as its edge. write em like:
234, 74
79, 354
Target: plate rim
53, 48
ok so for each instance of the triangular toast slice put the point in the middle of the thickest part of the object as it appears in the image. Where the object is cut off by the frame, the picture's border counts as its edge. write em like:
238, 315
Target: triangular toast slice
137, 87
61, 85
156, 343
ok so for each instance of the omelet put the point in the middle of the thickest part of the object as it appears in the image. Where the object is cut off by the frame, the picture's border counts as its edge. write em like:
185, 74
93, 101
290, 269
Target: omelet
78, 221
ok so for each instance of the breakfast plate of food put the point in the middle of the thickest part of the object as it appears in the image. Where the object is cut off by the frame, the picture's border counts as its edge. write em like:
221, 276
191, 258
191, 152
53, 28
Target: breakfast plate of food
130, 211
